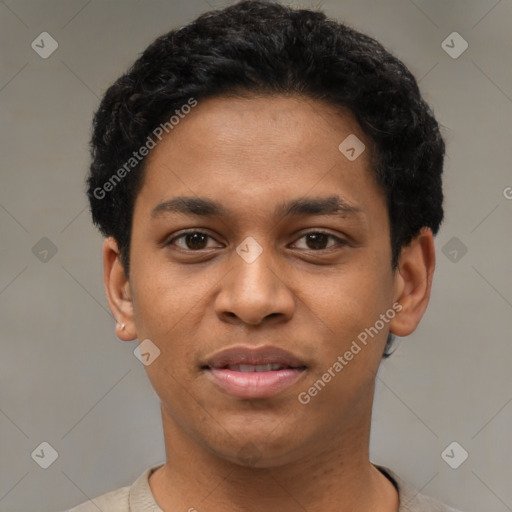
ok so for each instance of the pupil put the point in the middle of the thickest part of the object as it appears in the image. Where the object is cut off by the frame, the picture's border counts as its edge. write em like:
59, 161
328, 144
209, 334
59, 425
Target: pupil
318, 240
195, 240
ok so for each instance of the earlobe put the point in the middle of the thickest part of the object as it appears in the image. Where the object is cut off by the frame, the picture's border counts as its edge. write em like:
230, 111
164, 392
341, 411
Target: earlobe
118, 291
413, 282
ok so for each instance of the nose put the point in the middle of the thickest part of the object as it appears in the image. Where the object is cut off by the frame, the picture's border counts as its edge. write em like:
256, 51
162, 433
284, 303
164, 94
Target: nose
253, 292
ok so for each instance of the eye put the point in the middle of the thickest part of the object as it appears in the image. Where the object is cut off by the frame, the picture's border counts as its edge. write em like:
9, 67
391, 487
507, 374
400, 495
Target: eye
317, 240
198, 240
193, 240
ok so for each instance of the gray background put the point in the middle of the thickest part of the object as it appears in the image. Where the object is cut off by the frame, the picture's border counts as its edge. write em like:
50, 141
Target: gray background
67, 380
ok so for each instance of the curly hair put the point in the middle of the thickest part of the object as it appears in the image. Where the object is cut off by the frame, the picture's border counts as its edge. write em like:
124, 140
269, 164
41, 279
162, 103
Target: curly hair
261, 47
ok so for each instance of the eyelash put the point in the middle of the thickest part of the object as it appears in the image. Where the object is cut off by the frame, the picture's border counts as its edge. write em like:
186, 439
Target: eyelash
329, 235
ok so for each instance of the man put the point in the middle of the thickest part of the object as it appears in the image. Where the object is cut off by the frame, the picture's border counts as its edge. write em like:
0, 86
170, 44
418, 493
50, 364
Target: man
269, 184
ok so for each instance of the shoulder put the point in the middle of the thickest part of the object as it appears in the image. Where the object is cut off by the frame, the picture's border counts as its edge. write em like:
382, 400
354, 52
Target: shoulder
422, 503
410, 499
113, 501
133, 497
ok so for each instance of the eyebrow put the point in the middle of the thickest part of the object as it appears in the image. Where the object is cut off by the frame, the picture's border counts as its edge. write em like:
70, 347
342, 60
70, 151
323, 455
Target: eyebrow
204, 207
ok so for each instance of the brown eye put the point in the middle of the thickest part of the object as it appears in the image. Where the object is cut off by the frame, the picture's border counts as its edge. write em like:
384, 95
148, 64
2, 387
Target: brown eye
193, 241
196, 241
318, 241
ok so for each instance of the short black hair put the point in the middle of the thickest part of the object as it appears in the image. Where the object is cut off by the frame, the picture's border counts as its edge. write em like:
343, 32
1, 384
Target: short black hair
262, 47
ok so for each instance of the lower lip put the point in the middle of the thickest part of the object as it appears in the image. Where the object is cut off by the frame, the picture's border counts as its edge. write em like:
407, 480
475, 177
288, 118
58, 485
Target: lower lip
254, 384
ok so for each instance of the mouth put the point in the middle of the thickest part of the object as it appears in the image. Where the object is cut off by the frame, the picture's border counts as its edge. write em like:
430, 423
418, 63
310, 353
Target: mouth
249, 373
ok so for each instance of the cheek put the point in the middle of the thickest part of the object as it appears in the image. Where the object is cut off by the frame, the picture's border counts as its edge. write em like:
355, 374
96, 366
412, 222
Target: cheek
170, 308
162, 297
349, 300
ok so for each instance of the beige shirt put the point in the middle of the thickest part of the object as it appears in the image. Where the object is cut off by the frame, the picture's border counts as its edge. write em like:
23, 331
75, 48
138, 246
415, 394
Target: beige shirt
138, 497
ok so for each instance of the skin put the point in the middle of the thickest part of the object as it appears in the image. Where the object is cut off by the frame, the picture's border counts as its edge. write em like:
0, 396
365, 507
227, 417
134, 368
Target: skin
251, 154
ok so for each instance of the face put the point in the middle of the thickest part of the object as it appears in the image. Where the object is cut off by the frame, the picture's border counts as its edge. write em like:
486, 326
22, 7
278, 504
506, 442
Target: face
254, 232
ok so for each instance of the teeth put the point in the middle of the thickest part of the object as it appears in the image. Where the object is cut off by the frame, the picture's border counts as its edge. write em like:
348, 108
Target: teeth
255, 367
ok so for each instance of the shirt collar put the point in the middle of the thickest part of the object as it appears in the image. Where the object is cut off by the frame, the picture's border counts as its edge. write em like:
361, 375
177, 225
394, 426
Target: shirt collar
141, 498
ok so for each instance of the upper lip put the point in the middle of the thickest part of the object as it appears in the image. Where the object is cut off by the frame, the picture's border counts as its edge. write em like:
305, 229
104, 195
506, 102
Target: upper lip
254, 356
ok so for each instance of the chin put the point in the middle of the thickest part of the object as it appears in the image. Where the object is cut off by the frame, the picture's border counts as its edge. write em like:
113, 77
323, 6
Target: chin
260, 446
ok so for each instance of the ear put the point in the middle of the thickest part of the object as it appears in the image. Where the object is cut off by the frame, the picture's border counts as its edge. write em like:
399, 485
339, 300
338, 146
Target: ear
413, 282
118, 291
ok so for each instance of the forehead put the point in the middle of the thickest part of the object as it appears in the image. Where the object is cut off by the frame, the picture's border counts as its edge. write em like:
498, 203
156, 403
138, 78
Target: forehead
250, 152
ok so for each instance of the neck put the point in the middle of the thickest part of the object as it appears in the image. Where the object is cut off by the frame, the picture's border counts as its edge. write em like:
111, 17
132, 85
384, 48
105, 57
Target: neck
338, 478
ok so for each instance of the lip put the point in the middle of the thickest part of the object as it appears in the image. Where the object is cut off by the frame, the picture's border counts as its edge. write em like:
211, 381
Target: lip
253, 355
255, 384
